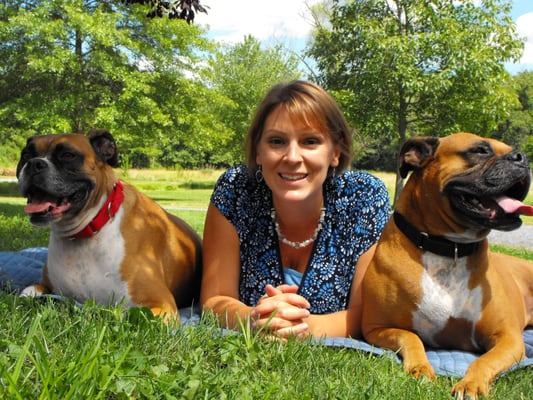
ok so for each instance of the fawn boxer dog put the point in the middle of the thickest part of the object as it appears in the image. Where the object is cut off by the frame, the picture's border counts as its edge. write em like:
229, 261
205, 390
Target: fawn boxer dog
108, 241
433, 279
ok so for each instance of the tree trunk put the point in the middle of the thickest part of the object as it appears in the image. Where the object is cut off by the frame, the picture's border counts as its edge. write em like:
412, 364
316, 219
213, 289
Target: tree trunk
402, 134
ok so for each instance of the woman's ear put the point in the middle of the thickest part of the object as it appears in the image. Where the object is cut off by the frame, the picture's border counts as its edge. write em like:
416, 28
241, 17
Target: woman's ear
336, 157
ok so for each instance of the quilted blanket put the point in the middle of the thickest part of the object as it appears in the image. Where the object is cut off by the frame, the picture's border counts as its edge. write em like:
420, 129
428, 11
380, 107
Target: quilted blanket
22, 268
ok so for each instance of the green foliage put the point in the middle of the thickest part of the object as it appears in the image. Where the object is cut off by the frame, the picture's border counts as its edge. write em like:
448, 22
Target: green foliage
169, 96
518, 126
173, 98
241, 75
172, 9
73, 66
401, 68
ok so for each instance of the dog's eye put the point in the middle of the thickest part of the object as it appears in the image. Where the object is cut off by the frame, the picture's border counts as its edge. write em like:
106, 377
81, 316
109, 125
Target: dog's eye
480, 150
25, 156
67, 156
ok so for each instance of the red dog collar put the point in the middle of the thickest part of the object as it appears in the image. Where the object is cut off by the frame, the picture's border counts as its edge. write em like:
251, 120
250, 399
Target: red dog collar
108, 211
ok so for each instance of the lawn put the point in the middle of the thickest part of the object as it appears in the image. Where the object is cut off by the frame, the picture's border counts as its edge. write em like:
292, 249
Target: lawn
56, 350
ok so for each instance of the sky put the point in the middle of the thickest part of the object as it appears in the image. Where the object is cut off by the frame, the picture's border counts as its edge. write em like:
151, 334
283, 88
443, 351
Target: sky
287, 22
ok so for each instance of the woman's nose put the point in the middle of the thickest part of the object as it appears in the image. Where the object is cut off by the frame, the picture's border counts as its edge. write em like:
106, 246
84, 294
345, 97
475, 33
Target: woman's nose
293, 152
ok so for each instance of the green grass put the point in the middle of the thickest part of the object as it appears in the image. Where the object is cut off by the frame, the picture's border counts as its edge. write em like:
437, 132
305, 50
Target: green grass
58, 351
55, 350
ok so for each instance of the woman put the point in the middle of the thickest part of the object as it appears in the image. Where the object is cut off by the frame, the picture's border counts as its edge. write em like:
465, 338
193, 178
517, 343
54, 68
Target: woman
288, 237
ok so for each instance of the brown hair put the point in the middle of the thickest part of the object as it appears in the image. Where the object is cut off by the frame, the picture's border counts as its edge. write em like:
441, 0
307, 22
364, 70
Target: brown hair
313, 106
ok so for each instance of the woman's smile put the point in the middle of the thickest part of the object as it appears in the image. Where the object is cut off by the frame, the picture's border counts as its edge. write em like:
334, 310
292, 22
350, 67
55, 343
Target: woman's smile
293, 177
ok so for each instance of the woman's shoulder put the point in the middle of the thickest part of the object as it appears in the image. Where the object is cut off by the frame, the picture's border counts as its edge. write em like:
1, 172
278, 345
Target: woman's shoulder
361, 180
354, 191
237, 184
235, 173
237, 177
361, 203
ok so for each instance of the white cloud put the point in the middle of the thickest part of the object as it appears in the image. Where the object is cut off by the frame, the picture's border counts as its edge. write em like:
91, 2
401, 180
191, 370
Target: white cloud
524, 26
288, 22
231, 20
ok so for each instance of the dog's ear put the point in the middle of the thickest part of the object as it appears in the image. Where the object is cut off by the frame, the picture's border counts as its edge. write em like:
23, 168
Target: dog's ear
104, 146
415, 151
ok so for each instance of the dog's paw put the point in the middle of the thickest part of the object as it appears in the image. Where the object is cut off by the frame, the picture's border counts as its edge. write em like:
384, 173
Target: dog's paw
422, 370
167, 313
31, 291
469, 390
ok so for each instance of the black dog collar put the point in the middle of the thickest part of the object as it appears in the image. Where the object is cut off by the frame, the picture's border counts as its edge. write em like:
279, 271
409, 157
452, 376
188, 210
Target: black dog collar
434, 244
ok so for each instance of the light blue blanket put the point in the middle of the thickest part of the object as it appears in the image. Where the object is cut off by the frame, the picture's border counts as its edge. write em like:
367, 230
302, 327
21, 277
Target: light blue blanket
22, 268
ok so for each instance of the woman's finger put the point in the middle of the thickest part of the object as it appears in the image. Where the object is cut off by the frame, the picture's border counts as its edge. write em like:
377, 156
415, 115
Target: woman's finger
294, 330
291, 298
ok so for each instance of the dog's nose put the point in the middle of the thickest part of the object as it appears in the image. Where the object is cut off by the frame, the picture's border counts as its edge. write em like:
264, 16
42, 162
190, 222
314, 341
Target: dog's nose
517, 157
37, 165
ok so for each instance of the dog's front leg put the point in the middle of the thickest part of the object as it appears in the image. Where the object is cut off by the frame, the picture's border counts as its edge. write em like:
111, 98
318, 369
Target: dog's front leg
508, 349
409, 346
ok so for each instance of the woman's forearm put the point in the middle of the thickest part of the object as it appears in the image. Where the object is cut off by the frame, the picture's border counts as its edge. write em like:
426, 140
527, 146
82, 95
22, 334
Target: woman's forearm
229, 311
339, 324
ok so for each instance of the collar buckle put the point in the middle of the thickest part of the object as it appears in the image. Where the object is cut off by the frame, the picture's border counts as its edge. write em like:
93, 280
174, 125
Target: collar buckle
422, 238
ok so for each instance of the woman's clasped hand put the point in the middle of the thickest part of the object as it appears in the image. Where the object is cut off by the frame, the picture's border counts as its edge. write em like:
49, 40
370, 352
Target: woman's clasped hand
281, 311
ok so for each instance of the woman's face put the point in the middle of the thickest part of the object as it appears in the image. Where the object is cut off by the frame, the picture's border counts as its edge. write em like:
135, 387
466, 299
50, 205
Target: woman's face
295, 157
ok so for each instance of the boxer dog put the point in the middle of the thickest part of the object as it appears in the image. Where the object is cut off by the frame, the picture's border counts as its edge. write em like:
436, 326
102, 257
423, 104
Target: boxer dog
433, 280
108, 241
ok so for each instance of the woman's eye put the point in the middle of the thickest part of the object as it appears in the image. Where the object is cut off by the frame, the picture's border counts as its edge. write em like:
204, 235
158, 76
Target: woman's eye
275, 141
312, 141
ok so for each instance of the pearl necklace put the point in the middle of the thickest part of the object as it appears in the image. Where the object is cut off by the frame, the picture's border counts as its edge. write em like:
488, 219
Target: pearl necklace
298, 245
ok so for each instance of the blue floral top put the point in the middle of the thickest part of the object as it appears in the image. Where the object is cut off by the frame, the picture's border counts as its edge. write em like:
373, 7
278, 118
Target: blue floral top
357, 208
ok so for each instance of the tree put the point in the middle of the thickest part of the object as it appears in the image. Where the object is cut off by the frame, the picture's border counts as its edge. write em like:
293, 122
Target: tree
71, 66
406, 67
517, 129
241, 74
177, 9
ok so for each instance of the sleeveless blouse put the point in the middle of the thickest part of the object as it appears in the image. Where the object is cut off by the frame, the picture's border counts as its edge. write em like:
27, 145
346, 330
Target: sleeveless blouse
357, 208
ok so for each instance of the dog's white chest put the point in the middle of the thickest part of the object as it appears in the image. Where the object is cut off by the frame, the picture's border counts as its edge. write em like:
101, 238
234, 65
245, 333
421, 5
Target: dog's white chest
446, 296
90, 268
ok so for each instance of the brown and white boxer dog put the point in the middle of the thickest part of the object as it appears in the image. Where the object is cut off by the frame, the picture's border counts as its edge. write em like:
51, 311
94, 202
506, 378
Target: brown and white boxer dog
108, 241
433, 280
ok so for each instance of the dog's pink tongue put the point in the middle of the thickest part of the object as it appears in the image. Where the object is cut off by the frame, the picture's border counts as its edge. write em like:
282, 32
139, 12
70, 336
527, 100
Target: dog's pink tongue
511, 206
32, 208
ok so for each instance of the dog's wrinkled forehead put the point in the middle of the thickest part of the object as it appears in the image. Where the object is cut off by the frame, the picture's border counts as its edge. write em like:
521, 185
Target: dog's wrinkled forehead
73, 150
45, 145
459, 152
471, 147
